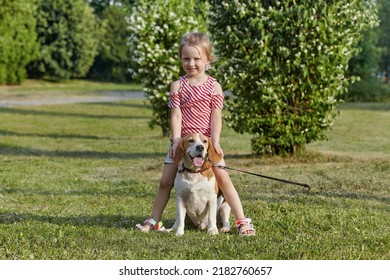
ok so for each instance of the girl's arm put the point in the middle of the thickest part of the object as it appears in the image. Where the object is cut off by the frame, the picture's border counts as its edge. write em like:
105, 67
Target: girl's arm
216, 128
216, 122
176, 119
176, 123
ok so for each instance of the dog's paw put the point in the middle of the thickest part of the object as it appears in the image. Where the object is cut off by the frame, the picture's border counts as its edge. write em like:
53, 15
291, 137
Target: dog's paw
179, 232
212, 231
225, 230
202, 226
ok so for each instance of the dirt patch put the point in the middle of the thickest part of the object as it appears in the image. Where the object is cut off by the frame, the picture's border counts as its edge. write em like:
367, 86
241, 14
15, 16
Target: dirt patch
102, 97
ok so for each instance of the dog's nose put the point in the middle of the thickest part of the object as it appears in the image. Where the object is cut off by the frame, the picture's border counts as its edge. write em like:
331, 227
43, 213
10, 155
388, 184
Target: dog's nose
199, 148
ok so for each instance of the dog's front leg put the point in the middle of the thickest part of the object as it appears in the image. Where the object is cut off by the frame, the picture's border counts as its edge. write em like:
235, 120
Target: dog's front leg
212, 226
180, 216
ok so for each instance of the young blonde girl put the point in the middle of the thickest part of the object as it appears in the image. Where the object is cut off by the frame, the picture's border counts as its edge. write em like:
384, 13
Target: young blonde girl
196, 102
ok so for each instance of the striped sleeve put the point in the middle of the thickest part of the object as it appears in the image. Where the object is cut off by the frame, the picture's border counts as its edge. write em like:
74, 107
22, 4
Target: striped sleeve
217, 101
174, 100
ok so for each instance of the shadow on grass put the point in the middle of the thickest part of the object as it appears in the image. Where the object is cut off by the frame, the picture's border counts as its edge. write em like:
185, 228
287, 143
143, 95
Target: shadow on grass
128, 190
54, 135
359, 196
118, 221
60, 114
21, 151
279, 194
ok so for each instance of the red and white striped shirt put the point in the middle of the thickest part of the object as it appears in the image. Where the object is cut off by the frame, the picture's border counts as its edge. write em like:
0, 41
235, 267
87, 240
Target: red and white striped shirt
196, 104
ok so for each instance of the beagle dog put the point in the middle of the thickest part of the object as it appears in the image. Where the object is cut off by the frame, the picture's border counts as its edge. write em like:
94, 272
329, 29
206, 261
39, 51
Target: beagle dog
198, 198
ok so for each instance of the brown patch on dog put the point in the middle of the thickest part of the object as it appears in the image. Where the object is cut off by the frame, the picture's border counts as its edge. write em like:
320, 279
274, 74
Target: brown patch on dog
213, 156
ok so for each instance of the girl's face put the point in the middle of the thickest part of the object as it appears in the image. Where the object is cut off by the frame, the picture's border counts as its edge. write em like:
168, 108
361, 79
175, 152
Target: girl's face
193, 61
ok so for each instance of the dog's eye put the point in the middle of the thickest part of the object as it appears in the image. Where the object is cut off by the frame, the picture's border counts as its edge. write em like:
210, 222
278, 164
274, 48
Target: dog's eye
205, 141
191, 140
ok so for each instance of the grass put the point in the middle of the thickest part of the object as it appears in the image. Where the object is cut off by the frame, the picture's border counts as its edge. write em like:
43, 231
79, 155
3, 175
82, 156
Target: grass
76, 178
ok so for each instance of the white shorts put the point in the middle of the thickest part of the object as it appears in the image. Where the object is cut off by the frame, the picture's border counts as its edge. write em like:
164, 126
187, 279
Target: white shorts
168, 159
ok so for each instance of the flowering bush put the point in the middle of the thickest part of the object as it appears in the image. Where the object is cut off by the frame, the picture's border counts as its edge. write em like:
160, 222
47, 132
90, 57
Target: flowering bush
285, 63
156, 27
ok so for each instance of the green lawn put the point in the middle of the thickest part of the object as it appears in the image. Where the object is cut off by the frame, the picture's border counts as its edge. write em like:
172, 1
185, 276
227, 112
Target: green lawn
76, 178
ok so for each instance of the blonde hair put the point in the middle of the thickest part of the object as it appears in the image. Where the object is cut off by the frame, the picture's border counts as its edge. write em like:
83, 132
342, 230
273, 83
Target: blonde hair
198, 40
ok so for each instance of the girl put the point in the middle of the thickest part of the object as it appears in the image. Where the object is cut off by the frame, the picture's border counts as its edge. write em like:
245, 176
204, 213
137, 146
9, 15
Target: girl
196, 102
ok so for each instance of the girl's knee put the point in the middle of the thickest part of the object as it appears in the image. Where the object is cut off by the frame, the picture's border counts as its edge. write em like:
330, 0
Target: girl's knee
168, 176
166, 184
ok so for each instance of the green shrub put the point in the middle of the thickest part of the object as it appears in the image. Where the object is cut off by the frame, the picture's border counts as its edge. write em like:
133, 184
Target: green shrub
68, 37
368, 90
18, 44
113, 60
285, 63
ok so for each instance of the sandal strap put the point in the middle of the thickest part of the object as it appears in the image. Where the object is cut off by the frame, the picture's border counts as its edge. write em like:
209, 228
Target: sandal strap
243, 221
245, 227
152, 222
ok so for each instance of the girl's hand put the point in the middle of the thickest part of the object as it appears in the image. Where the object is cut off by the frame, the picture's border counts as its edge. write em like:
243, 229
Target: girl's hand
218, 149
175, 145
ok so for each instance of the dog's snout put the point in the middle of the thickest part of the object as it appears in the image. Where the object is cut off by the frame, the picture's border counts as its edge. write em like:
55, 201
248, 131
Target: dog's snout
199, 148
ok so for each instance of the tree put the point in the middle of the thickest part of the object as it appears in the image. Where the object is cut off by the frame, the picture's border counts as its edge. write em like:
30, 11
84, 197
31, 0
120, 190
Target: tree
156, 27
285, 63
68, 37
365, 66
100, 5
18, 44
113, 60
384, 37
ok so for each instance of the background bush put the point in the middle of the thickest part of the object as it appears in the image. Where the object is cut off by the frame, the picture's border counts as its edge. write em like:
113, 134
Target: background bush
365, 66
18, 44
285, 63
112, 62
68, 37
384, 37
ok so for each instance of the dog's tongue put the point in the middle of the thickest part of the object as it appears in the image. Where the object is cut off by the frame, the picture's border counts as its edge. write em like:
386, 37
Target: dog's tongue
198, 161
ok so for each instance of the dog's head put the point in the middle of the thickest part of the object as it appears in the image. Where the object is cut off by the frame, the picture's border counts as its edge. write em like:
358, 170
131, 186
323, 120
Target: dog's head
197, 152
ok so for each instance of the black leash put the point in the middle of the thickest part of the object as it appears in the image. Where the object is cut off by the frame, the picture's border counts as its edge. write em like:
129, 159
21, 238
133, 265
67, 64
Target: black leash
266, 177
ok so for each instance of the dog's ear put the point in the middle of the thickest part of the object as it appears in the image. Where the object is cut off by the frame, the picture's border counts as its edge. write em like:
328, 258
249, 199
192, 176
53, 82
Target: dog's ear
213, 156
179, 152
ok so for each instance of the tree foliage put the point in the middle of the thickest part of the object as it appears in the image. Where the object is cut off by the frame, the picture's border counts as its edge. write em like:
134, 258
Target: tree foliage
285, 63
18, 44
156, 27
384, 36
68, 37
365, 66
100, 5
113, 60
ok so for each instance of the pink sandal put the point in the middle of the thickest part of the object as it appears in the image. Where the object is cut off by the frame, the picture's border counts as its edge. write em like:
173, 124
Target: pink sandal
244, 227
149, 225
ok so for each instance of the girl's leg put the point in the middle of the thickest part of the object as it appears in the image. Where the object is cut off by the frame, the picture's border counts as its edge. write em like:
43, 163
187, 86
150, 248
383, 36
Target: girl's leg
164, 190
161, 198
229, 191
232, 198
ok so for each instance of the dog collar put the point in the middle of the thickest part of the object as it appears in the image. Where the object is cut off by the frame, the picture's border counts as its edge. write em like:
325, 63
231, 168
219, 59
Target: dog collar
185, 169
